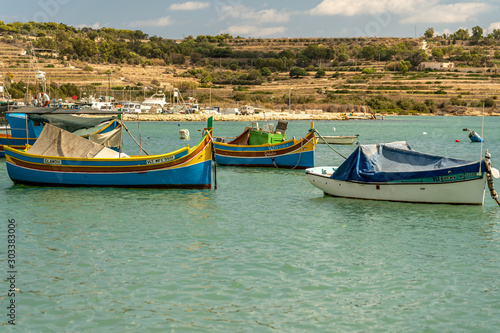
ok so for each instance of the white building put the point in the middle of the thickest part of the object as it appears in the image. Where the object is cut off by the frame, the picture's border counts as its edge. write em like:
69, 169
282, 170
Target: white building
438, 66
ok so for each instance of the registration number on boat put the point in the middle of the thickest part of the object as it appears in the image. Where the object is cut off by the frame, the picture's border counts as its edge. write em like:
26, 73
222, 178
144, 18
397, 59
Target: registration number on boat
49, 161
161, 160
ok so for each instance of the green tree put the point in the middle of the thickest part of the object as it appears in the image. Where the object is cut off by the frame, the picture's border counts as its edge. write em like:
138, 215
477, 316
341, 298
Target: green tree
495, 34
286, 54
342, 57
438, 54
296, 72
461, 34
429, 33
404, 66
477, 33
320, 73
417, 56
265, 71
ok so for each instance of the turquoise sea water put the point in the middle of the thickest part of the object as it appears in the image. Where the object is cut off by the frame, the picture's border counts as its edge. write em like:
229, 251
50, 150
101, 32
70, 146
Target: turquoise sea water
265, 252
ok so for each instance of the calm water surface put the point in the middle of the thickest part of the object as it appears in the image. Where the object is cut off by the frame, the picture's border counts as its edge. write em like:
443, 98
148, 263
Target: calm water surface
265, 252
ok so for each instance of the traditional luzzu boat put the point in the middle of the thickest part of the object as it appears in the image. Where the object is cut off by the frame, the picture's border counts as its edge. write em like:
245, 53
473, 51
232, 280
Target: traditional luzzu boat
267, 147
61, 158
395, 172
26, 124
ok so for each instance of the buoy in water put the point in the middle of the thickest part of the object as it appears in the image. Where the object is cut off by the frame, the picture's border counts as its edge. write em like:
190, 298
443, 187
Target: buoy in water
184, 134
424, 133
474, 137
457, 140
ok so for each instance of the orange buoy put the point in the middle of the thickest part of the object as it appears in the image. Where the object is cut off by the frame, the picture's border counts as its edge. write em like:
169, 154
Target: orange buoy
457, 140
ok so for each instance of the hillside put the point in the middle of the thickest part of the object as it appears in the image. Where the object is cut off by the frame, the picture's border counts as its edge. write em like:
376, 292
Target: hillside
356, 81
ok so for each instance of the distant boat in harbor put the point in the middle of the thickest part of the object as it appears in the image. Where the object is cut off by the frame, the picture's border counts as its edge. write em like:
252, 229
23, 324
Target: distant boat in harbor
338, 140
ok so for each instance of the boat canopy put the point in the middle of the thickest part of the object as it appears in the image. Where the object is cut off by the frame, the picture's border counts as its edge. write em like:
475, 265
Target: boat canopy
69, 122
56, 142
393, 162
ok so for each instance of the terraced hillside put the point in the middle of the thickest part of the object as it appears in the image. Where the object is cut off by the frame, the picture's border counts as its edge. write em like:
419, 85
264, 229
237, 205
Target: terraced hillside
339, 85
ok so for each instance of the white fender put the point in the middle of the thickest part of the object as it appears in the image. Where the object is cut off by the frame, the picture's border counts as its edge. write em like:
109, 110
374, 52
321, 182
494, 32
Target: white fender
495, 173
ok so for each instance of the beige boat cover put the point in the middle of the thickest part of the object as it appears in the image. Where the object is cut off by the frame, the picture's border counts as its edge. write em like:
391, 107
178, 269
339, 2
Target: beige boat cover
54, 141
108, 139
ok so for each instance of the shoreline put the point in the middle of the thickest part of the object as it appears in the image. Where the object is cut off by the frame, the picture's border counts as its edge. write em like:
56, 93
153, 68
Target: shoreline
272, 116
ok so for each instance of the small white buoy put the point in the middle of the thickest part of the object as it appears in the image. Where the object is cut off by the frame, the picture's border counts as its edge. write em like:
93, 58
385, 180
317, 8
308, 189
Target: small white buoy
184, 134
334, 129
424, 133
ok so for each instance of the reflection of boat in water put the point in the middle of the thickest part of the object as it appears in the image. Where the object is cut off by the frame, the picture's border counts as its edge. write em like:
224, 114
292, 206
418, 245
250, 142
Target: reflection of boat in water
267, 148
395, 172
27, 123
339, 139
60, 158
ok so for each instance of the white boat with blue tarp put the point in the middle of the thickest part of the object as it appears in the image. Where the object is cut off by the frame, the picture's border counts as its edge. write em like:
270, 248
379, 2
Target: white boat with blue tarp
396, 172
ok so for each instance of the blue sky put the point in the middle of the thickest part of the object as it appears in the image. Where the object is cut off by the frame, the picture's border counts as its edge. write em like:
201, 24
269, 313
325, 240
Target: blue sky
258, 18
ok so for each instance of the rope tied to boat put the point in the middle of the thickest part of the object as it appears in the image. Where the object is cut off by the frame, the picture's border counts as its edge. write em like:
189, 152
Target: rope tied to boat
133, 138
322, 138
300, 155
489, 177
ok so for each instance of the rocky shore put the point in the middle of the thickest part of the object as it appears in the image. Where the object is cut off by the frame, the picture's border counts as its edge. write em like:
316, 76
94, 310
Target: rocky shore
300, 115
254, 117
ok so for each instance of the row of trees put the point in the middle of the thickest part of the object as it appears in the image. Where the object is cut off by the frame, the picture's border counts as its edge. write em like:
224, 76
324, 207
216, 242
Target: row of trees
135, 47
477, 33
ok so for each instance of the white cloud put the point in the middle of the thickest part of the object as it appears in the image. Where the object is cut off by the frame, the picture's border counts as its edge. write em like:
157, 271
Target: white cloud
494, 25
161, 22
242, 12
94, 26
410, 11
360, 7
452, 13
255, 31
190, 5
247, 21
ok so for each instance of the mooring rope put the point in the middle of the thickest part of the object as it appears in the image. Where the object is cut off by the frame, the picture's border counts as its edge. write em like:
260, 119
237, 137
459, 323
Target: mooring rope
489, 178
133, 138
315, 131
300, 156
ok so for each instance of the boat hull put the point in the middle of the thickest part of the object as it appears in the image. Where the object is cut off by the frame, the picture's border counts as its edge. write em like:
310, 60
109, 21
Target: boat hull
185, 168
467, 192
338, 140
291, 154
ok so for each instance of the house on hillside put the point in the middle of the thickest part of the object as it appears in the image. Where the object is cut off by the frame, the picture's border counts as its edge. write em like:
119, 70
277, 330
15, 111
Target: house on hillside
434, 65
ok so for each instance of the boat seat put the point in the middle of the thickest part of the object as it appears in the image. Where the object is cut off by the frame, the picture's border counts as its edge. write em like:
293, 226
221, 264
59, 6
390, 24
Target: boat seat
281, 127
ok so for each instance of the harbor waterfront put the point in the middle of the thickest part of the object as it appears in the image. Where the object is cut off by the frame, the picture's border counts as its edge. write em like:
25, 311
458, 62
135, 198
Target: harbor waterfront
264, 252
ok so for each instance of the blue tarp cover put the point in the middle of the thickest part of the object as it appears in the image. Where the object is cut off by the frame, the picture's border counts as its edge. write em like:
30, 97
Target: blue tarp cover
398, 162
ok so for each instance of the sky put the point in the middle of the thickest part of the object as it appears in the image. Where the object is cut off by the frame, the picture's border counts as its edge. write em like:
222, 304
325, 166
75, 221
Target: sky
266, 19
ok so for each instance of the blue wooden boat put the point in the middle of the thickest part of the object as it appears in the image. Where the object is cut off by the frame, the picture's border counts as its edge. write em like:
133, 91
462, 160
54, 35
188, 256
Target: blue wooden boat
61, 158
26, 124
267, 148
